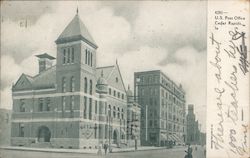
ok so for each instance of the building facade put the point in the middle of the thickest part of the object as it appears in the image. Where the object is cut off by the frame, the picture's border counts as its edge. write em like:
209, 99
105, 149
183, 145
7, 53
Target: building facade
73, 104
162, 109
193, 131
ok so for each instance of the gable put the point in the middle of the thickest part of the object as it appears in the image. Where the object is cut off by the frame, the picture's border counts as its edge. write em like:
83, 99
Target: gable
115, 79
22, 83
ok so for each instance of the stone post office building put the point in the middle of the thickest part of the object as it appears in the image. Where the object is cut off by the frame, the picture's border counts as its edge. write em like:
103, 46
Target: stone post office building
73, 104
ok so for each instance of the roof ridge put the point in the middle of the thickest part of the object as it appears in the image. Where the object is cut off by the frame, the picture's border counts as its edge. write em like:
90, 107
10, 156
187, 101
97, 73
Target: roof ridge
39, 74
105, 67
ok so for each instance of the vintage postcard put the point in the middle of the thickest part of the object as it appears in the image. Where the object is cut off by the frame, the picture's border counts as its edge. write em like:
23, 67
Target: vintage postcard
116, 79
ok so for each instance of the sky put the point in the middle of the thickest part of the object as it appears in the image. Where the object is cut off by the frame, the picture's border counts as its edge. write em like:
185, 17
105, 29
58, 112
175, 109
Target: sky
141, 35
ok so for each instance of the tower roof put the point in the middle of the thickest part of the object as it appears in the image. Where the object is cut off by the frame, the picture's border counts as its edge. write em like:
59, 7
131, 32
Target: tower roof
45, 55
76, 30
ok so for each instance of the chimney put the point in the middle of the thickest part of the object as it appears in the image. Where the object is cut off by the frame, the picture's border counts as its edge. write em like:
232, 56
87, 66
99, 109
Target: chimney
45, 61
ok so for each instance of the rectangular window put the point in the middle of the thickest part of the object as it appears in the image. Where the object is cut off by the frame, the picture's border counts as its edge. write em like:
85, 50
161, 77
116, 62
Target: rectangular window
122, 96
91, 59
118, 94
150, 123
114, 93
68, 56
64, 56
90, 108
86, 56
47, 104
21, 130
22, 105
72, 56
96, 107
40, 104
109, 91
63, 103
85, 108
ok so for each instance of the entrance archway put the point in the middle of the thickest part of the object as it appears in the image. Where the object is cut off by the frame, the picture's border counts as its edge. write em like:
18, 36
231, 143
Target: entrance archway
115, 136
43, 134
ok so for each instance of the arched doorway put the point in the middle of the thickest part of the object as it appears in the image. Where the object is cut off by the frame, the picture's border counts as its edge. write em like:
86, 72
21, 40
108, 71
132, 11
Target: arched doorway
115, 136
43, 134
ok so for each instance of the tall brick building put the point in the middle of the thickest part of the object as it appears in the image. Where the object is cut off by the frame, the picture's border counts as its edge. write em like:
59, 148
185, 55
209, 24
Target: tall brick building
163, 108
72, 104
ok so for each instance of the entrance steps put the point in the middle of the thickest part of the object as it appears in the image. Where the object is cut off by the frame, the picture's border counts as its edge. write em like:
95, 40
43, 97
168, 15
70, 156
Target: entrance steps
41, 145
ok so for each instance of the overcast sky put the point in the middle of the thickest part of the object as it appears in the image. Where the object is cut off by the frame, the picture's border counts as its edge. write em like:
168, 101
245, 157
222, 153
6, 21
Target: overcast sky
167, 35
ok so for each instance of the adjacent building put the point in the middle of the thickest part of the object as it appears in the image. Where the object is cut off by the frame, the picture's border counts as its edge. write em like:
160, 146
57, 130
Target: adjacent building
74, 103
193, 132
5, 119
162, 108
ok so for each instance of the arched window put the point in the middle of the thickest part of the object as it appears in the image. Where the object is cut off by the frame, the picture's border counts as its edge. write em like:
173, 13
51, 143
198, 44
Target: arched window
114, 112
85, 85
64, 56
68, 56
72, 84
122, 114
72, 55
86, 56
63, 84
91, 57
90, 86
118, 113
109, 110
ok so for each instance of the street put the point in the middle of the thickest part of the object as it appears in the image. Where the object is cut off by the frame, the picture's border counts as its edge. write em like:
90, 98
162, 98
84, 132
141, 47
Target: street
162, 153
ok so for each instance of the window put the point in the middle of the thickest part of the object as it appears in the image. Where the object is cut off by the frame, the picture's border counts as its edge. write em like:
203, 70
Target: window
91, 59
40, 104
68, 56
122, 96
72, 84
90, 108
21, 130
114, 112
72, 56
96, 107
95, 130
114, 93
150, 123
63, 103
155, 123
142, 91
63, 84
86, 56
47, 104
116, 79
118, 94
85, 85
109, 110
85, 108
109, 91
122, 114
90, 87
118, 113
22, 106
72, 103
64, 56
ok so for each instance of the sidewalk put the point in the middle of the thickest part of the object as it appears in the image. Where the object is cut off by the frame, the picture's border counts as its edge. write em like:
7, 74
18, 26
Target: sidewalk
85, 151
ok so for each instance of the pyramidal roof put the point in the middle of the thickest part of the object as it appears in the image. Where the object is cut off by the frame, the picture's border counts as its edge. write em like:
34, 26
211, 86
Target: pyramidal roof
76, 30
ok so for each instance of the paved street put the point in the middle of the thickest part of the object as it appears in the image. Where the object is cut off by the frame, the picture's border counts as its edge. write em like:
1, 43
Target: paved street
162, 153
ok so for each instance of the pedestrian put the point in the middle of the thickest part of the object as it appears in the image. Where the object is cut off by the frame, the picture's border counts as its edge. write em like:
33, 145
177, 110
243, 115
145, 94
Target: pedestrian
189, 151
105, 147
